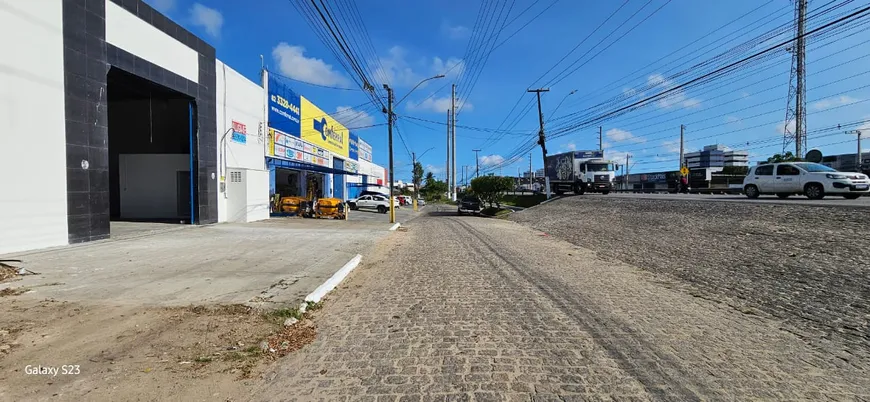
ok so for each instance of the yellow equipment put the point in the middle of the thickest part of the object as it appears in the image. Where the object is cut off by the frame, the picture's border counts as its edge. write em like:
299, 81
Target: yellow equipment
292, 205
330, 208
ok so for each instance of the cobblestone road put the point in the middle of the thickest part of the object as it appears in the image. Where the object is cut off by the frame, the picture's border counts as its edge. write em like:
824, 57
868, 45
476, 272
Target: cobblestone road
467, 308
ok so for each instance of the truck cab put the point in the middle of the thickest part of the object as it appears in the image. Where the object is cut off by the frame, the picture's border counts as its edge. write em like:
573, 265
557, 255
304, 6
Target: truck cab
595, 175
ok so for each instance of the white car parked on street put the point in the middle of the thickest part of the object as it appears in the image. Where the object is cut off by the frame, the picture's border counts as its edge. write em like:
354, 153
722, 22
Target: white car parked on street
810, 179
375, 202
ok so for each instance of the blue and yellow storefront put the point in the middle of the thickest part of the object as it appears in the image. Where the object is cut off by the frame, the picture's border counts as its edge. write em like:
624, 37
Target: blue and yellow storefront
309, 154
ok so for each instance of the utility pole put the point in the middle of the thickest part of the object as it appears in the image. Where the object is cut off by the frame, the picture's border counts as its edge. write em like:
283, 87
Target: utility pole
627, 156
600, 140
476, 163
389, 112
447, 172
453, 141
414, 178
541, 136
682, 155
859, 161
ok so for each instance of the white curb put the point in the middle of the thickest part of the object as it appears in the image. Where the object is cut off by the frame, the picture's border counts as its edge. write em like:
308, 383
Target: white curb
331, 283
396, 226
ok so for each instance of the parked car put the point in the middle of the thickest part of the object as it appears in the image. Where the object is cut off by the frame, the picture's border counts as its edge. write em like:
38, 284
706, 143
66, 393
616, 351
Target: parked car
470, 204
375, 202
421, 202
369, 192
813, 180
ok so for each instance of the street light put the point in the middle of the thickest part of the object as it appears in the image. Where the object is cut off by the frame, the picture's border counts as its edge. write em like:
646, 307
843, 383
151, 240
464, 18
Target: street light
390, 118
560, 103
418, 84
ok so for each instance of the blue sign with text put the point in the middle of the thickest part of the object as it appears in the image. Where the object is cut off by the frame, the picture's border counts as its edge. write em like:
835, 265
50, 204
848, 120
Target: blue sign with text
284, 111
353, 148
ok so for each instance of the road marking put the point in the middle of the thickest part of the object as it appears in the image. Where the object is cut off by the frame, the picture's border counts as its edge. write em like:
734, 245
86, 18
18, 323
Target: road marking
396, 226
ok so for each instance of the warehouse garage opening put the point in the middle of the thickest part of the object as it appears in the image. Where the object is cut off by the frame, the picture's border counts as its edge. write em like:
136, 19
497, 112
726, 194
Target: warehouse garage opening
150, 145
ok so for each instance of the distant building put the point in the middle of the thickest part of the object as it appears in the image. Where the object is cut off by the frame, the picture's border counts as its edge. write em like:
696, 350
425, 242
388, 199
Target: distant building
847, 162
713, 156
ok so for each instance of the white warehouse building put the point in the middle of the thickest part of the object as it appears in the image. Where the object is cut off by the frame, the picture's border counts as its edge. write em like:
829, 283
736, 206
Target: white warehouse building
116, 113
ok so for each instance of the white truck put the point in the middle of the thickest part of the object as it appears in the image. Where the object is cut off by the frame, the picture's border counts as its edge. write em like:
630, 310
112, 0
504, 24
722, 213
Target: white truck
580, 171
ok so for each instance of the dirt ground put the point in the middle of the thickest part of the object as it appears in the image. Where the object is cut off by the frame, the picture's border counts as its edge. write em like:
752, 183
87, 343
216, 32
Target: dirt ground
123, 353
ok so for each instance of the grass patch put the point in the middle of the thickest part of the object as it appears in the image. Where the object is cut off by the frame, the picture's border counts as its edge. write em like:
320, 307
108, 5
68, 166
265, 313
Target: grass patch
312, 306
524, 201
203, 359
280, 315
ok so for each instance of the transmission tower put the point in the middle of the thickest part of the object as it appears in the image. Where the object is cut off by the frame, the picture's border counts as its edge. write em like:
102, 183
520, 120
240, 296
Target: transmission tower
797, 93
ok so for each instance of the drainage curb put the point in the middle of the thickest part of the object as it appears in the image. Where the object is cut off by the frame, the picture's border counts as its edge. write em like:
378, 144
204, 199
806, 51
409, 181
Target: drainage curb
317, 295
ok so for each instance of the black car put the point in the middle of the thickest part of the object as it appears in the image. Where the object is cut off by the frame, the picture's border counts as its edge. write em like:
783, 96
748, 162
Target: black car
470, 205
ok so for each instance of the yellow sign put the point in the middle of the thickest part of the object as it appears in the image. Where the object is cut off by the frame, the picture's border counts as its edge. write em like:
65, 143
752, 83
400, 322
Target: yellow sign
322, 130
684, 171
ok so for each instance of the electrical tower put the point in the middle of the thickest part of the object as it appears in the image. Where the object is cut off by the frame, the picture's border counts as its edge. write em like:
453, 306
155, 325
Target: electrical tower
797, 93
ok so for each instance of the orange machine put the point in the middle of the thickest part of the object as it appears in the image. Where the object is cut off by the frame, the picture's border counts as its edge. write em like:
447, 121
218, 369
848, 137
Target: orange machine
292, 205
330, 208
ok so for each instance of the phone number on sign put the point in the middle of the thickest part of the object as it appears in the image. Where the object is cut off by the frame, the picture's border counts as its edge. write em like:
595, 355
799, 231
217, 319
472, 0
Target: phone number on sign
66, 369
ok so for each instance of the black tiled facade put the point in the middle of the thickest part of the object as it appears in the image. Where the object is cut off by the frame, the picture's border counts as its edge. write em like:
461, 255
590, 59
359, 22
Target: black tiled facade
87, 58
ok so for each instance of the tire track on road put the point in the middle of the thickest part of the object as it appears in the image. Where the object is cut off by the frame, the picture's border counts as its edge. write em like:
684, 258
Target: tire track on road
653, 369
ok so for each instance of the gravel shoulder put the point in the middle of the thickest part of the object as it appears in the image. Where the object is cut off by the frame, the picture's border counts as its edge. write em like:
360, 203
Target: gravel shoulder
805, 266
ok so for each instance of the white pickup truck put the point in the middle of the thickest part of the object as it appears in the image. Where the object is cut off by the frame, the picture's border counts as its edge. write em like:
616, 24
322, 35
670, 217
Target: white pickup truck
813, 180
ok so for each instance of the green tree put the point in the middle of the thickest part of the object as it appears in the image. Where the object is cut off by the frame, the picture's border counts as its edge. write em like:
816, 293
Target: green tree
491, 189
433, 189
786, 157
417, 176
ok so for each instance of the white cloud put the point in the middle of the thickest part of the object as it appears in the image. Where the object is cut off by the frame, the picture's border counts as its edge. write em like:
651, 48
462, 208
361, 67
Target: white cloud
834, 102
292, 62
780, 128
865, 126
618, 157
352, 118
672, 146
617, 135
676, 98
454, 31
434, 169
163, 6
395, 68
745, 94
450, 68
208, 18
438, 105
570, 146
490, 160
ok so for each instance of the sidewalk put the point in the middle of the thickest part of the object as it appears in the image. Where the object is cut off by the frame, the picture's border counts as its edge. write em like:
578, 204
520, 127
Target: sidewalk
273, 261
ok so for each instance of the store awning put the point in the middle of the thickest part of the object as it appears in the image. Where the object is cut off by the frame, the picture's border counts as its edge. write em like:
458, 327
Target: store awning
309, 167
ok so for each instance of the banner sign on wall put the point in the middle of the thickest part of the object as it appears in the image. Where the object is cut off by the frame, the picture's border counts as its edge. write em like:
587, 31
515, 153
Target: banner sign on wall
353, 147
364, 150
284, 107
288, 147
351, 166
322, 130
240, 133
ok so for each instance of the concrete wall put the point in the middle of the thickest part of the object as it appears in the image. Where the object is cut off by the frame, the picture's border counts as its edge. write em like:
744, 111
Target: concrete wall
127, 31
33, 160
148, 184
241, 101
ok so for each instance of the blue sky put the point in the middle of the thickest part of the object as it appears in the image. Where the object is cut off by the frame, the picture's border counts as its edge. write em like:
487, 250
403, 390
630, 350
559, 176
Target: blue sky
416, 40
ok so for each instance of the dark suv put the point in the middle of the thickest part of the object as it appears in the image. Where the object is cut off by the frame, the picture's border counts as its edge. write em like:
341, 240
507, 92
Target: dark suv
470, 204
